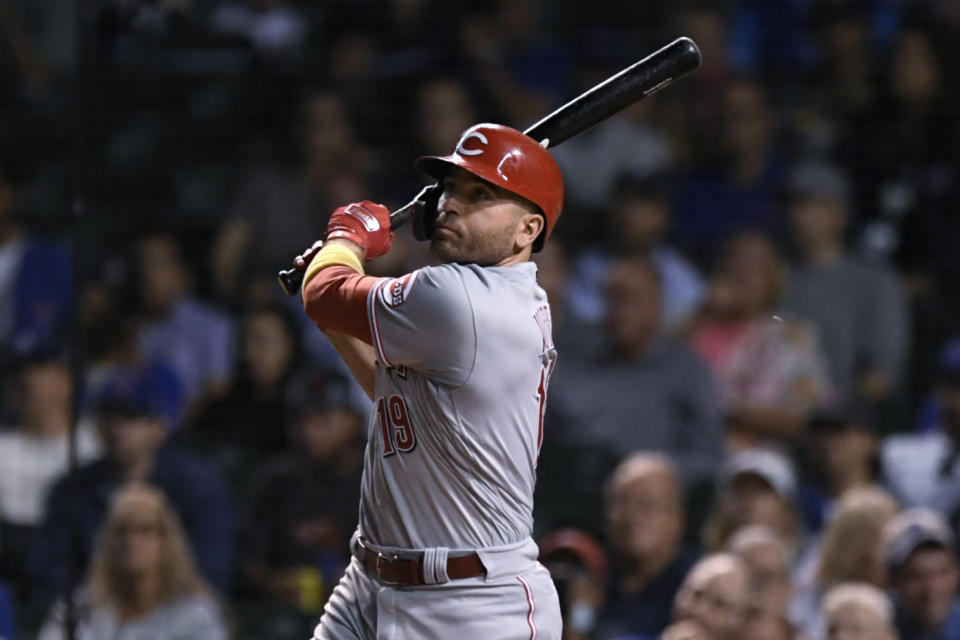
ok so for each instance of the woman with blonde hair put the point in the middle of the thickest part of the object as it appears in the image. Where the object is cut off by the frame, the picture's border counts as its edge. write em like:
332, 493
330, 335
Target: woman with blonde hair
849, 550
142, 582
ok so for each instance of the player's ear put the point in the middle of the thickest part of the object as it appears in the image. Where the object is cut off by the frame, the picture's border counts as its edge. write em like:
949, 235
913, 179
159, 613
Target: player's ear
528, 229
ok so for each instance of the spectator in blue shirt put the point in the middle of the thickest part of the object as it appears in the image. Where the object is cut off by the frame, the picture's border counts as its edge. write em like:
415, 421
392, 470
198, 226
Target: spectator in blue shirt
8, 627
134, 416
193, 338
35, 276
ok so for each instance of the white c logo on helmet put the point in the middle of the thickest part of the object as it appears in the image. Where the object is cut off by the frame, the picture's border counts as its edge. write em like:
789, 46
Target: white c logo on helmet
471, 152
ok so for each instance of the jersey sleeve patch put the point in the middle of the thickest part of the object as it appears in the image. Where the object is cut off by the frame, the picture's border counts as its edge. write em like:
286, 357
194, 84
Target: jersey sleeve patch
394, 293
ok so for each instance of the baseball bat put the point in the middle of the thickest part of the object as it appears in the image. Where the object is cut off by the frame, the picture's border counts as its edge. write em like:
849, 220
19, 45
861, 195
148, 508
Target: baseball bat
641, 79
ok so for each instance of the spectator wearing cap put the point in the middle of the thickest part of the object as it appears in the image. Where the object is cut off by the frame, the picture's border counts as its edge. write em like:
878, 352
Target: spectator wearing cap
301, 506
858, 307
34, 454
579, 567
924, 575
849, 549
770, 367
712, 602
758, 487
923, 469
858, 611
645, 519
842, 453
135, 417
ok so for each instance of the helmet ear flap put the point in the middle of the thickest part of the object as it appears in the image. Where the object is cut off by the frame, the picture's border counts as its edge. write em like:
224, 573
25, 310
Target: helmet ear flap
424, 216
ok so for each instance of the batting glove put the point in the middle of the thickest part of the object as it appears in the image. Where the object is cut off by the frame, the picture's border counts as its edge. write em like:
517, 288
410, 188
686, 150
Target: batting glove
365, 224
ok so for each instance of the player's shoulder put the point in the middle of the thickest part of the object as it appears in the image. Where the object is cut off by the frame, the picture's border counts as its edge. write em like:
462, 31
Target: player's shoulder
425, 284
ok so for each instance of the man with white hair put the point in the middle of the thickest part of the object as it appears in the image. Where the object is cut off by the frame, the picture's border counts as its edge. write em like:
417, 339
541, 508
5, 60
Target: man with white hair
858, 611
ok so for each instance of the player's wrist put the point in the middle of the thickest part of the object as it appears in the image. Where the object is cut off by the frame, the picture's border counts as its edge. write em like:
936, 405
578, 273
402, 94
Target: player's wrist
354, 246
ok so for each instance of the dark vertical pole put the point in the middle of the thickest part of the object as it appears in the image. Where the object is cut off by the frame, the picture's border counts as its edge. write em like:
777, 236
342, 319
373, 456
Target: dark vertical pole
78, 206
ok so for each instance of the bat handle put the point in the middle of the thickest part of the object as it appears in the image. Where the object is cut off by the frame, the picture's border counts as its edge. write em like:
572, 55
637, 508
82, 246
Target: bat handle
292, 279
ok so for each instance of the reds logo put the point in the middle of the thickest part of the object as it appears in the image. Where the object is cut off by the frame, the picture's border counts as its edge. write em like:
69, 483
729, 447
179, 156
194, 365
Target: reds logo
395, 292
475, 135
367, 219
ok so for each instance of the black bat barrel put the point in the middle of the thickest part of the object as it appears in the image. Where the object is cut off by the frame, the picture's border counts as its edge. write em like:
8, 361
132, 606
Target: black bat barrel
641, 79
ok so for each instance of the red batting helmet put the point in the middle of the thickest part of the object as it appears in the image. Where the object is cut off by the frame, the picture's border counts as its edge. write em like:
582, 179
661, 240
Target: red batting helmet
509, 159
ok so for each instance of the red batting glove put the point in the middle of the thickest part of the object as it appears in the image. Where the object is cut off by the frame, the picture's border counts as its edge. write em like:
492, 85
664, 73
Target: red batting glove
365, 224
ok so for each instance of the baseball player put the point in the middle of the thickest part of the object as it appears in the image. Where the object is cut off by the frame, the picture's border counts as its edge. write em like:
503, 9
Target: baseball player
457, 359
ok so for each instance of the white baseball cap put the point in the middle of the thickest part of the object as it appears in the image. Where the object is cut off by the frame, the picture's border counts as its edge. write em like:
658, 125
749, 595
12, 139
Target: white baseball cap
770, 465
911, 529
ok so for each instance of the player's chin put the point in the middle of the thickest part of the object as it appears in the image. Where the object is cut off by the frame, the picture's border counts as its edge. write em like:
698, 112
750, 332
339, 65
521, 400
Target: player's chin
444, 246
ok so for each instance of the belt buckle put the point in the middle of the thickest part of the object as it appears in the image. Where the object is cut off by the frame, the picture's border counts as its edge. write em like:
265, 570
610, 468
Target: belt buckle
381, 557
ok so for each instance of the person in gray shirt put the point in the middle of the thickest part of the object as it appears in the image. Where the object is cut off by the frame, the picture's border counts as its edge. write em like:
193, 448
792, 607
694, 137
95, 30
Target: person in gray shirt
648, 391
858, 306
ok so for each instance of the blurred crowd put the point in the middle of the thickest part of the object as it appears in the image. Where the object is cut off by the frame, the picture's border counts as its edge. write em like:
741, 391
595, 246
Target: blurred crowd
754, 426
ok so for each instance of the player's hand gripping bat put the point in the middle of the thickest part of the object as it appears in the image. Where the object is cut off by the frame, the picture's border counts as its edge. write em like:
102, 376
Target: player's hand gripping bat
641, 79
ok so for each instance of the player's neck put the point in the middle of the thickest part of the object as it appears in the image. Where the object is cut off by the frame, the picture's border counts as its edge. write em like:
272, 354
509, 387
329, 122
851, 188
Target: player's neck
519, 257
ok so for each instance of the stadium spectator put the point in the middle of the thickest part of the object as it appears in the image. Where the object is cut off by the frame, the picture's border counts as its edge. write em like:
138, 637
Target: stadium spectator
858, 611
769, 560
276, 29
8, 623
640, 372
252, 414
638, 220
135, 419
36, 276
331, 166
34, 453
519, 65
712, 601
645, 525
771, 370
841, 452
579, 567
142, 581
578, 339
191, 337
924, 575
737, 189
758, 487
858, 307
922, 468
301, 505
901, 150
849, 549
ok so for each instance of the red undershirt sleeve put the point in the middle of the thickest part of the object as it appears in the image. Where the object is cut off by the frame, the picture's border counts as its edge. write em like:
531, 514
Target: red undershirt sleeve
336, 300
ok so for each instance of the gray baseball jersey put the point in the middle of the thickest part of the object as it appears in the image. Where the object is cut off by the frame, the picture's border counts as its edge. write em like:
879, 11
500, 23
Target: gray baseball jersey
464, 360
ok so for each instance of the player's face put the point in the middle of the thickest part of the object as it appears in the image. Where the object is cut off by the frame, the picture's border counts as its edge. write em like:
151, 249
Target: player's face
477, 223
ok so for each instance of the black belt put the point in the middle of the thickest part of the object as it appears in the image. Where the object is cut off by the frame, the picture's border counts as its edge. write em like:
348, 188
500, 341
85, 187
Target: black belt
394, 571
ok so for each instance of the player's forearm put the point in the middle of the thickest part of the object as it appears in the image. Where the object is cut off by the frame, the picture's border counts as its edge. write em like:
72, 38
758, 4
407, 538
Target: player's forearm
335, 291
359, 358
